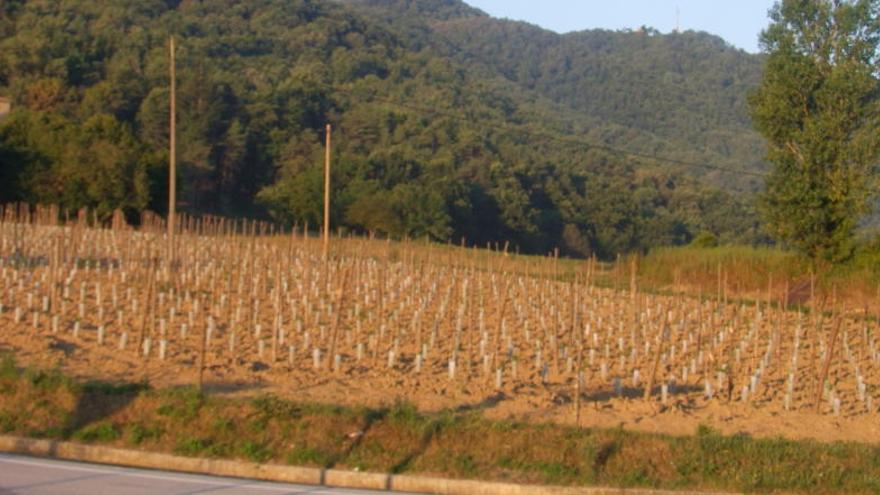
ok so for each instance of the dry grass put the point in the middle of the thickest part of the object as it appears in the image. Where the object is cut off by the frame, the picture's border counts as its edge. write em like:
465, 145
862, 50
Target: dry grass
764, 274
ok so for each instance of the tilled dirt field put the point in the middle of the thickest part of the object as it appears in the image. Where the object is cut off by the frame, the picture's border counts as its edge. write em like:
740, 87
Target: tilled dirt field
441, 327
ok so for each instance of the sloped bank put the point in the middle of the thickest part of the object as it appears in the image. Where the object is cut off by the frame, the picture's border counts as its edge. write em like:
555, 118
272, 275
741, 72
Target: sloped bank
52, 415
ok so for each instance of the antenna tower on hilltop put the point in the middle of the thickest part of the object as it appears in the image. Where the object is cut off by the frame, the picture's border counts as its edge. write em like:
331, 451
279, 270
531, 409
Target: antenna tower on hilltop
677, 19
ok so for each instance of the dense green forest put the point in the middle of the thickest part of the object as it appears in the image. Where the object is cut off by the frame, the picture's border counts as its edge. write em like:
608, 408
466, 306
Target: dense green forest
681, 95
447, 123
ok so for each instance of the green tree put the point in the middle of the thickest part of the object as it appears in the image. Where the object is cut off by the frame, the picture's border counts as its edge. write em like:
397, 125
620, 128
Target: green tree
817, 106
98, 163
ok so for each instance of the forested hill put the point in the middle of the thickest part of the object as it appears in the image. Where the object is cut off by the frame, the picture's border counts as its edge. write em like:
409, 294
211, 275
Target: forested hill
437, 133
681, 95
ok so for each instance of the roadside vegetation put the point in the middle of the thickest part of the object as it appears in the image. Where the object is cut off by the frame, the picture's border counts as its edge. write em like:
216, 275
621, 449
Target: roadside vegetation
399, 439
764, 274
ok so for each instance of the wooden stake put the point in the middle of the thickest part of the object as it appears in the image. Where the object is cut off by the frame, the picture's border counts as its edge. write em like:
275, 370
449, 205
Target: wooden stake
202, 351
824, 375
663, 330
326, 250
334, 326
172, 155
632, 278
580, 367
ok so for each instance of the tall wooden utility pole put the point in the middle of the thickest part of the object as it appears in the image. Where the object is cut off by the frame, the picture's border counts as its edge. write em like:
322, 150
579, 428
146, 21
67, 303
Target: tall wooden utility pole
327, 194
172, 156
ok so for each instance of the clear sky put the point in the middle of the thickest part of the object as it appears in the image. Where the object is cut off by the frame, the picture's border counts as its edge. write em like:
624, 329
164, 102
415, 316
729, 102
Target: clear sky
737, 21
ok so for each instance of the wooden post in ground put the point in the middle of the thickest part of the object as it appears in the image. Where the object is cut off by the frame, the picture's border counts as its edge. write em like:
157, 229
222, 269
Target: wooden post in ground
664, 330
580, 365
172, 155
203, 349
632, 278
337, 313
326, 249
828, 360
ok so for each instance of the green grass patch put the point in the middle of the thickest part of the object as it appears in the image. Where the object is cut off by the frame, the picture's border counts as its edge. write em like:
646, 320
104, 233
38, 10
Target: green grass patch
101, 432
192, 447
181, 404
256, 451
8, 368
138, 434
308, 456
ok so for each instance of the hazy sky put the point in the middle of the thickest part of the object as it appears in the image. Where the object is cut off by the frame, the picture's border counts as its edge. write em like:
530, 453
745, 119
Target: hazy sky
737, 21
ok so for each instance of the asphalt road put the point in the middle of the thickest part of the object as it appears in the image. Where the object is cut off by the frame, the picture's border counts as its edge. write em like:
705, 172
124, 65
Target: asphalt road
32, 476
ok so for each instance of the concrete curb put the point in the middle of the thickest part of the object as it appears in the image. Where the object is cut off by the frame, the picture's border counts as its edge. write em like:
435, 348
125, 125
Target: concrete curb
334, 478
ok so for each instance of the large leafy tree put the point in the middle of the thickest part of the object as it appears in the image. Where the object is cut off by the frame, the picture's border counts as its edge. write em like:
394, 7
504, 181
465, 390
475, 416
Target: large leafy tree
818, 108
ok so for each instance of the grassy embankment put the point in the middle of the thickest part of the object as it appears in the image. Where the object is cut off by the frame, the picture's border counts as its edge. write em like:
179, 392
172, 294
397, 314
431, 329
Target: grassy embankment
764, 273
399, 439
746, 273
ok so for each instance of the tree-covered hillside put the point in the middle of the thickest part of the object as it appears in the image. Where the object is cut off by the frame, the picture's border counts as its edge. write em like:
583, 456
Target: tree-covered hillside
428, 140
681, 95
